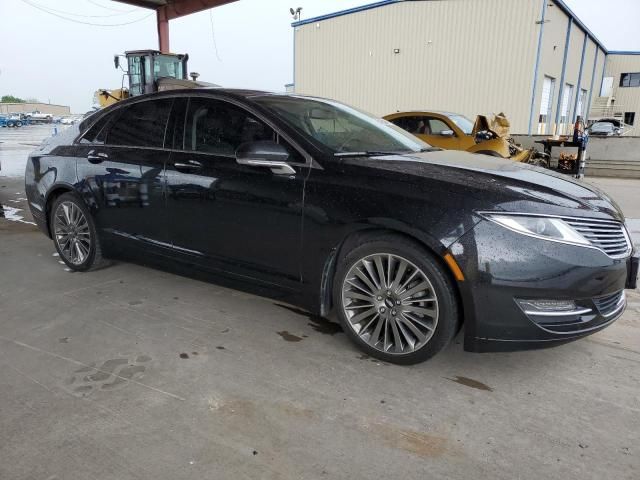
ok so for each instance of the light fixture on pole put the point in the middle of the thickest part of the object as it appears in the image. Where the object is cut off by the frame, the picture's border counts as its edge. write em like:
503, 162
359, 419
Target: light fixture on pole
296, 14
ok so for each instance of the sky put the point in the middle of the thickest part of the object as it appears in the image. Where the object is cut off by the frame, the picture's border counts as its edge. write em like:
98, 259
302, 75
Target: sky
249, 46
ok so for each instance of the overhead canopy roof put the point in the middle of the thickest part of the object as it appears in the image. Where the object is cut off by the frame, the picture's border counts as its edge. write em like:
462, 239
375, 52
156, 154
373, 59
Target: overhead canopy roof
176, 8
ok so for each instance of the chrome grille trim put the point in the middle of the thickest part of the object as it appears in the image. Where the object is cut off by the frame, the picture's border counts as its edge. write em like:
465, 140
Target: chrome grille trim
609, 305
609, 236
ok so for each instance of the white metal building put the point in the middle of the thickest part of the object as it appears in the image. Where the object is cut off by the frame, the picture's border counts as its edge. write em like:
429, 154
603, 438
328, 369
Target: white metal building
531, 59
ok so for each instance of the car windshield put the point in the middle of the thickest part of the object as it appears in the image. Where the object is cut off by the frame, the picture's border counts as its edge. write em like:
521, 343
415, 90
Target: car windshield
463, 123
340, 128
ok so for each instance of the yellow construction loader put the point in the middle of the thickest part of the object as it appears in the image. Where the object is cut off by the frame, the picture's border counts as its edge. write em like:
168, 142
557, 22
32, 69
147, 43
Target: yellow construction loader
149, 71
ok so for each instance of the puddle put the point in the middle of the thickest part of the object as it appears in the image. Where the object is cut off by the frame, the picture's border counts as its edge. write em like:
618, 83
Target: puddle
13, 214
289, 337
470, 382
319, 324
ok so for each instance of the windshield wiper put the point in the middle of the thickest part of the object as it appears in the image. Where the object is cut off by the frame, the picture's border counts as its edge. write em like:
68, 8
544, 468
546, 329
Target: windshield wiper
368, 153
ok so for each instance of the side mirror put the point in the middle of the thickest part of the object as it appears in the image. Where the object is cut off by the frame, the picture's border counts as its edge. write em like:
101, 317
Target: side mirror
116, 61
266, 153
447, 133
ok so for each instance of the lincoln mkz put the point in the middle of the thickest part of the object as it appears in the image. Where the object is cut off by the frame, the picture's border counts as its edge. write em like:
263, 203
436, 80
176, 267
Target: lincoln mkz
325, 207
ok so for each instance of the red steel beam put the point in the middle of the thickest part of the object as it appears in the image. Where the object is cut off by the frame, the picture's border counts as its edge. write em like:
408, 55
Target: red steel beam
163, 30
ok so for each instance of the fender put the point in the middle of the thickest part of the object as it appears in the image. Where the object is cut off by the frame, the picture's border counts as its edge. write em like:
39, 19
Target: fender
324, 303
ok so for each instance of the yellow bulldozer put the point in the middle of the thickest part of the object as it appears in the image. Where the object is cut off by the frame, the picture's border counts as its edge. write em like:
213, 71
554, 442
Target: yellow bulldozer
149, 71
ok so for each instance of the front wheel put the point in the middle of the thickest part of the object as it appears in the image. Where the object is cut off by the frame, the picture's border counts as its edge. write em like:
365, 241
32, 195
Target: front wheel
395, 301
74, 234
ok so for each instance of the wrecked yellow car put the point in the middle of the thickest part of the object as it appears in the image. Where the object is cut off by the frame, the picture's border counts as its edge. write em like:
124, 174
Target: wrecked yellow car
452, 131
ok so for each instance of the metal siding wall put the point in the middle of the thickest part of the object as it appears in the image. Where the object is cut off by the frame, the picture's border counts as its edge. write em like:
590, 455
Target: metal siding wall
468, 67
587, 70
628, 98
552, 54
573, 64
602, 58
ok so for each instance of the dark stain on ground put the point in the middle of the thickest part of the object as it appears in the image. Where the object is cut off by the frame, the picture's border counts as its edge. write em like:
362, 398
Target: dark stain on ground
255, 452
318, 323
226, 330
194, 353
133, 303
63, 340
184, 355
470, 382
289, 337
221, 347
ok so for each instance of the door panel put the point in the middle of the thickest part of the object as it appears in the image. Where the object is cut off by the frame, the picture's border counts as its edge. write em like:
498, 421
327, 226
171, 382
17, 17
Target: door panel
123, 169
239, 219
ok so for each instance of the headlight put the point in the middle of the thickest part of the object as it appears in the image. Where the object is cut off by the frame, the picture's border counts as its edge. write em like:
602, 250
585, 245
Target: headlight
547, 228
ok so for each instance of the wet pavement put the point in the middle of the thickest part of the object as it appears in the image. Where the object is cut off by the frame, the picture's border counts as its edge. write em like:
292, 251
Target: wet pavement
135, 373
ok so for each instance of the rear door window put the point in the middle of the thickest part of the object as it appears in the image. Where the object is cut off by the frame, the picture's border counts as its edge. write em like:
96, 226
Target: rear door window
142, 124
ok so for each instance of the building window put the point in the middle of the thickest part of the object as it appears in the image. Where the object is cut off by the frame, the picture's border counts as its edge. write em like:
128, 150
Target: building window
630, 80
548, 87
629, 118
567, 94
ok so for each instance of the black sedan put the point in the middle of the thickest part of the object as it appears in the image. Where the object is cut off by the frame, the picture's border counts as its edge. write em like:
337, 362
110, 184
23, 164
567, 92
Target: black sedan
325, 207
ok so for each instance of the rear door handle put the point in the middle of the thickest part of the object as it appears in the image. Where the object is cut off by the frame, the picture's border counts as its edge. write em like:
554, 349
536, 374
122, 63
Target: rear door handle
189, 166
97, 157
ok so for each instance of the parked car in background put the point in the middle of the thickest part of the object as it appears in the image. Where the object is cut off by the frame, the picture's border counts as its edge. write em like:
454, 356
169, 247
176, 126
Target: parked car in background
604, 129
453, 131
320, 205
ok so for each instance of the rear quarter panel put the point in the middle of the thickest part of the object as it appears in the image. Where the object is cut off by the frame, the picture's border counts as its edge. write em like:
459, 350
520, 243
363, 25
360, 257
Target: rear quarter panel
45, 174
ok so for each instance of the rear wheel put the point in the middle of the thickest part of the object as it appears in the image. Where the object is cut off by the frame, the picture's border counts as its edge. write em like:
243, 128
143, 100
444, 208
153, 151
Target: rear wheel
74, 233
395, 301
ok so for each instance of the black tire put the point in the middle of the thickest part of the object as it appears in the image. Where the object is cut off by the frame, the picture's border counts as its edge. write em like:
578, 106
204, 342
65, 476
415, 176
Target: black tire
448, 317
93, 260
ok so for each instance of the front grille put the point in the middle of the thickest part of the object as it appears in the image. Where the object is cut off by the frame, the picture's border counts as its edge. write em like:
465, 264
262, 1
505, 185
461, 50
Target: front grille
610, 304
607, 235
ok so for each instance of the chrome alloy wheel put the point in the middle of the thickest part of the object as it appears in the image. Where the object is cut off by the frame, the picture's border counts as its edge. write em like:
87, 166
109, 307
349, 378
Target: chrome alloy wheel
71, 232
390, 303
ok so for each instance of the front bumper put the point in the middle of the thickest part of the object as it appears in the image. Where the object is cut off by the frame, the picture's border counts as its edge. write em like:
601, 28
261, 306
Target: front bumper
502, 267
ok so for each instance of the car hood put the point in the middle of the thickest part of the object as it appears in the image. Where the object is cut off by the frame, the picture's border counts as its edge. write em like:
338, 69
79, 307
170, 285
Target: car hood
496, 183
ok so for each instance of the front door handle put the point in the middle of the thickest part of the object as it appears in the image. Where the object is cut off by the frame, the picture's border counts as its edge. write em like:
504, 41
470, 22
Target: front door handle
97, 157
189, 166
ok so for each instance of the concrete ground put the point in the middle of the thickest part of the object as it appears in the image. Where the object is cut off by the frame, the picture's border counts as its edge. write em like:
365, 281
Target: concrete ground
135, 373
